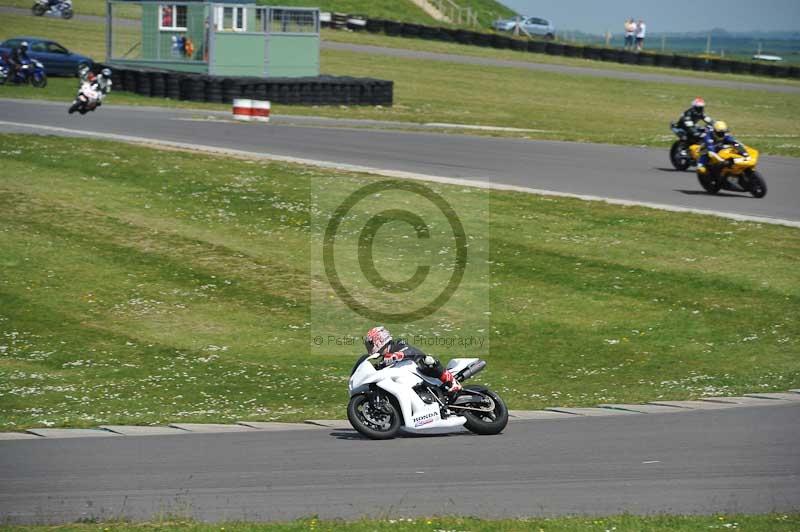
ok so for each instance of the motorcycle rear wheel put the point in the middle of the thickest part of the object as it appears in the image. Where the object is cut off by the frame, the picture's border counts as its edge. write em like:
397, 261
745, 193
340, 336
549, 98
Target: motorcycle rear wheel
758, 187
38, 9
365, 418
487, 423
678, 162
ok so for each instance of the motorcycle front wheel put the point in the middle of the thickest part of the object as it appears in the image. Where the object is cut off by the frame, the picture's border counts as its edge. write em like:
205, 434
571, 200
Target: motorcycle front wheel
758, 187
486, 423
711, 182
39, 82
66, 14
375, 422
38, 9
679, 162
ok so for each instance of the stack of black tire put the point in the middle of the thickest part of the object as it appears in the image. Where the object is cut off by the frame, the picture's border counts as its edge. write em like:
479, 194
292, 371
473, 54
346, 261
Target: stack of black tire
321, 90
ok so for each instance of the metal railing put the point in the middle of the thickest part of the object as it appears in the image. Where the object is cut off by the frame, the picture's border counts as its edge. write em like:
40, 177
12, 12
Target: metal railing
456, 13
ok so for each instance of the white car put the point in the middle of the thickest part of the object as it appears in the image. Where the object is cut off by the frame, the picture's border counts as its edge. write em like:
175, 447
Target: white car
533, 25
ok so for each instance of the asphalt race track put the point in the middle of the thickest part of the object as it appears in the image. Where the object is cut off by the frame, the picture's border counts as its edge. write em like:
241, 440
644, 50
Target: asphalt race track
728, 460
626, 173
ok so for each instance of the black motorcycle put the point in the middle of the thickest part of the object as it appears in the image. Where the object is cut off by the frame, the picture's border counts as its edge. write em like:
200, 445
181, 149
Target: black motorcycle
679, 154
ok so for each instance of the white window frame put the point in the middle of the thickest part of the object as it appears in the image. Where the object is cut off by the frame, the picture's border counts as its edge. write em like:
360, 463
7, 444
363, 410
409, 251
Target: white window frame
174, 26
239, 16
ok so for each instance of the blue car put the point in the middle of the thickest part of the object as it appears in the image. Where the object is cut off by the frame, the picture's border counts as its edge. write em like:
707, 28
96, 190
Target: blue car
57, 60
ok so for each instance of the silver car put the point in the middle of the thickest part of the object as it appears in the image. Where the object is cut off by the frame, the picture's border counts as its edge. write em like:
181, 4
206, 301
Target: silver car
533, 25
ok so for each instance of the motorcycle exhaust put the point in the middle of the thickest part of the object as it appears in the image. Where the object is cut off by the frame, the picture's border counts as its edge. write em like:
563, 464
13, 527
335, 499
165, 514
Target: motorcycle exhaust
472, 369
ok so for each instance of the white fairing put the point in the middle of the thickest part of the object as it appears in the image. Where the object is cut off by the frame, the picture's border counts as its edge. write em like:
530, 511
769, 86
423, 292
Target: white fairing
399, 380
89, 91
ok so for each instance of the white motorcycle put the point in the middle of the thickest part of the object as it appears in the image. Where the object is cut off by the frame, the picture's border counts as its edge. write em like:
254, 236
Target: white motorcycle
399, 397
62, 9
88, 99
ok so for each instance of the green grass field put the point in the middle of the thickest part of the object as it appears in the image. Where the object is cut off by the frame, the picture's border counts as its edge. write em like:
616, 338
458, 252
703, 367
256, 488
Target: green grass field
143, 286
622, 523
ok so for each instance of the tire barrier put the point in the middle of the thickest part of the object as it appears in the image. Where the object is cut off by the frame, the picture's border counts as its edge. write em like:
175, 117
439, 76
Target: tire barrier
627, 57
537, 47
375, 25
143, 84
645, 58
554, 48
501, 42
393, 29
519, 45
411, 30
158, 86
322, 90
572, 50
595, 53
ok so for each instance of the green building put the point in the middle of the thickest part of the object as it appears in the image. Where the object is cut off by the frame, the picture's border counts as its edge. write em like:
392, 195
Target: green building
221, 38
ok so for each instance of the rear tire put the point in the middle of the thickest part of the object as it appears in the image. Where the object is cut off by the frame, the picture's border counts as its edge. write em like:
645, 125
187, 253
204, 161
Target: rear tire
678, 162
487, 423
38, 10
372, 423
758, 187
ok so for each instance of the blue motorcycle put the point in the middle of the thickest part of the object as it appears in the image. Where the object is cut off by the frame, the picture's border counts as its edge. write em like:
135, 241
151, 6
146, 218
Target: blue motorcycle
31, 71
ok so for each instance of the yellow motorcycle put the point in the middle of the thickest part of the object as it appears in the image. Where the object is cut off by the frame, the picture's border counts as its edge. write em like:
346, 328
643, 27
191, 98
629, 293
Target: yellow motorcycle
731, 171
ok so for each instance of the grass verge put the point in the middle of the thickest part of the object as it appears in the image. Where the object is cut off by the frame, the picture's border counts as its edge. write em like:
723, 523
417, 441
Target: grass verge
143, 286
621, 523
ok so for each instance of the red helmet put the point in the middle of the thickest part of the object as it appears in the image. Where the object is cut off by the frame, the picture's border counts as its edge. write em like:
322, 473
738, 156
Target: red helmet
376, 339
698, 103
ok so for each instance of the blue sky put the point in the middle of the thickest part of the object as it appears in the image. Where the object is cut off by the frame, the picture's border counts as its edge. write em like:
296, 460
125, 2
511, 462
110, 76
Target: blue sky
597, 16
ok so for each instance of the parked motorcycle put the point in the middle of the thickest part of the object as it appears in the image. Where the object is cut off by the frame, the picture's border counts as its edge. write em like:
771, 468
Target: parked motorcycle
32, 71
385, 401
88, 99
62, 9
679, 154
733, 171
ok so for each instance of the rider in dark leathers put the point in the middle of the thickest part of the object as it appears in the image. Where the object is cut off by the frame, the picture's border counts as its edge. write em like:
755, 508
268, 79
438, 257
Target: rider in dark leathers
19, 56
379, 340
689, 120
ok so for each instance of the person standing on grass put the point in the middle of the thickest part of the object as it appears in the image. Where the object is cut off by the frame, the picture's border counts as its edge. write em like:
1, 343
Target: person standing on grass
641, 29
630, 30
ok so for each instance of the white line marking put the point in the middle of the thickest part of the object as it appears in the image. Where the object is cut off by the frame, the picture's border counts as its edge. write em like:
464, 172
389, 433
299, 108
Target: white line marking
407, 175
652, 462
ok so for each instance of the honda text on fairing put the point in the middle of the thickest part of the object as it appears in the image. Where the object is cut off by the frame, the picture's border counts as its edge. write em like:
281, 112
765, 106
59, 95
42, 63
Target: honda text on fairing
61, 8
399, 397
